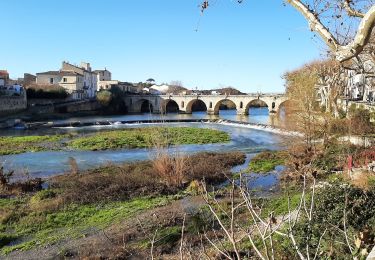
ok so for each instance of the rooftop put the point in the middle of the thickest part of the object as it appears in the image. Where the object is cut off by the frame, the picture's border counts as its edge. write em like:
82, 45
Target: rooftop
60, 73
4, 73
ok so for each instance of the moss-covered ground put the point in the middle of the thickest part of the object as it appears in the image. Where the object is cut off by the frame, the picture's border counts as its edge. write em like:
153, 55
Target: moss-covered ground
25, 226
266, 161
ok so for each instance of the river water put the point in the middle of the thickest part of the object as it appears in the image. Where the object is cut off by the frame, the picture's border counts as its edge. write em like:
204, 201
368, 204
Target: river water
48, 163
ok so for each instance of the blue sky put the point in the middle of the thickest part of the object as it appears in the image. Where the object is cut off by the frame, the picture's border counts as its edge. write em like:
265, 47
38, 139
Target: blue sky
248, 46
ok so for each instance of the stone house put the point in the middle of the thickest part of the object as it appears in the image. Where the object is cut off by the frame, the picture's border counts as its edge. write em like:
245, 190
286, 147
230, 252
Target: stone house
71, 81
103, 75
90, 79
80, 82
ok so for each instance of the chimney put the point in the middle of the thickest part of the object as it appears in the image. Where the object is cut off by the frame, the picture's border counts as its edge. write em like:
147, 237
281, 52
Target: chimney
86, 66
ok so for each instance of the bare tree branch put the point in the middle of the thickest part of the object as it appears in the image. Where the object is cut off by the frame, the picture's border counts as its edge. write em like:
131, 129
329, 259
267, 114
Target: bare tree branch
351, 10
341, 52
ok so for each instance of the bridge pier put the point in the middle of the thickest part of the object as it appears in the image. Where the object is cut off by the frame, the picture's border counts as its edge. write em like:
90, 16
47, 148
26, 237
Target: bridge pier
242, 112
211, 111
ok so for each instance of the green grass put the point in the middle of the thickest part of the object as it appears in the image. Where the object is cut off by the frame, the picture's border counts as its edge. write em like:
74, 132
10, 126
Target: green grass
148, 137
116, 139
41, 228
22, 144
279, 204
265, 162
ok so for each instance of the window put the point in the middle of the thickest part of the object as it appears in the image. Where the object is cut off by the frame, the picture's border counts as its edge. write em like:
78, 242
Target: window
273, 105
210, 104
241, 104
65, 79
51, 80
182, 104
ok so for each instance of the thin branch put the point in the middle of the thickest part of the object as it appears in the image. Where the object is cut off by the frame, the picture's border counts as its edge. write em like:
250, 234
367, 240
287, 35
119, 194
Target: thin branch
182, 238
350, 10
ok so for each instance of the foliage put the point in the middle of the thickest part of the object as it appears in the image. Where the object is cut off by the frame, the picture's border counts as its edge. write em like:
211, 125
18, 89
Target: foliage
112, 100
266, 161
334, 156
360, 122
51, 93
104, 97
331, 203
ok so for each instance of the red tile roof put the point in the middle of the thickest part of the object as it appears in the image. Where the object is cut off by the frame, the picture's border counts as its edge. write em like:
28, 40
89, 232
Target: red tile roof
4, 73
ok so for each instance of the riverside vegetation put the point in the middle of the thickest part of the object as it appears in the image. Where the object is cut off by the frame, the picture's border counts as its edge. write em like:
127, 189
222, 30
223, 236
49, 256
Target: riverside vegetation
174, 204
115, 139
82, 204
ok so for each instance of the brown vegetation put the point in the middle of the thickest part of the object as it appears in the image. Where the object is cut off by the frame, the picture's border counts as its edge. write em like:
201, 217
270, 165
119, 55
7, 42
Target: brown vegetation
161, 177
7, 188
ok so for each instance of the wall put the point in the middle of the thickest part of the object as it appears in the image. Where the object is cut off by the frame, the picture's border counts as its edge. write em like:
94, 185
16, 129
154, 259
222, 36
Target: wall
12, 104
72, 84
44, 79
84, 106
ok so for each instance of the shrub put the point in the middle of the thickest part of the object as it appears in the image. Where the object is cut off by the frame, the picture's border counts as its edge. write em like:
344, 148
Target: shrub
104, 97
330, 203
51, 93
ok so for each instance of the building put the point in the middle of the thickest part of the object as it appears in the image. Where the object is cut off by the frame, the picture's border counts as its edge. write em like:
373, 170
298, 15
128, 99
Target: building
90, 79
4, 78
124, 86
79, 82
28, 79
72, 82
104, 78
128, 87
103, 75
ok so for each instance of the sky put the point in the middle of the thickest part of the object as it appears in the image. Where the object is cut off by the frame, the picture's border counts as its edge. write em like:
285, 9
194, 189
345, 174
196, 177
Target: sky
248, 46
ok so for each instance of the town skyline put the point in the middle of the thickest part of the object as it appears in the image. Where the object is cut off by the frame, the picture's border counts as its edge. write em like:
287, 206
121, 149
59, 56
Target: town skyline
160, 49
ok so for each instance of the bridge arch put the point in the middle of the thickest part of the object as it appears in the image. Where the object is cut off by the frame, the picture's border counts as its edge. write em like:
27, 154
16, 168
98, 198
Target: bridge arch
169, 106
216, 108
144, 106
257, 103
196, 105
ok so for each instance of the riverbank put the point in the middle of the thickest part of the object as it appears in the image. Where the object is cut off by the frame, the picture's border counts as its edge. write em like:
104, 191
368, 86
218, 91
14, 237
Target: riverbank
85, 203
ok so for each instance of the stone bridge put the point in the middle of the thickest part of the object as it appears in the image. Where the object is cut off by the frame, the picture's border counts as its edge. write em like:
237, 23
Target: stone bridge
184, 103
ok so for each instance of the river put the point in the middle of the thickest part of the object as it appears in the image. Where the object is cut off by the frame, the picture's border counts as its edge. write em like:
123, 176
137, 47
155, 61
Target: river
48, 163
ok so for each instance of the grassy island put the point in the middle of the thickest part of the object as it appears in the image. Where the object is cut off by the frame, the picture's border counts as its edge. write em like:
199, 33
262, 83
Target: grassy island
23, 144
266, 161
148, 137
115, 139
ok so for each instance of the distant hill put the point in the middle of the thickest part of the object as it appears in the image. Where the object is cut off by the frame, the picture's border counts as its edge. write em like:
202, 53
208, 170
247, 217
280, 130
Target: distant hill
223, 91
